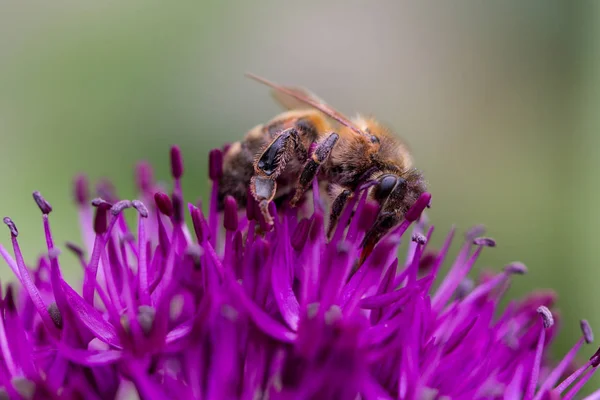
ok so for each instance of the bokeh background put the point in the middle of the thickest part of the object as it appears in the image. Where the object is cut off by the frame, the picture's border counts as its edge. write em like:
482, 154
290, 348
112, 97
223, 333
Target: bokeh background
498, 101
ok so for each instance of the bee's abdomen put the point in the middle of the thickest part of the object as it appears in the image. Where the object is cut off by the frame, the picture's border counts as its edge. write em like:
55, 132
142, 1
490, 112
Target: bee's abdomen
237, 172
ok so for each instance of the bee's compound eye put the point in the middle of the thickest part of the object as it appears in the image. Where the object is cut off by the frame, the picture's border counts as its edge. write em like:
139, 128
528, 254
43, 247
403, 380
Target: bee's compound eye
374, 139
386, 185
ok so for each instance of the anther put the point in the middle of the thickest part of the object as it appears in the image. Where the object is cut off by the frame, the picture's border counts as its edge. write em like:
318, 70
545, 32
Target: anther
140, 207
99, 202
200, 226
176, 162
106, 190
145, 318
546, 315
44, 206
100, 220
78, 251
195, 251
415, 211
80, 190
177, 201
419, 239
164, 204
517, 268
230, 214
24, 387
53, 253
333, 315
55, 315
427, 261
464, 288
586, 329
484, 241
11, 226
9, 298
343, 247
120, 206
595, 359
215, 164
144, 176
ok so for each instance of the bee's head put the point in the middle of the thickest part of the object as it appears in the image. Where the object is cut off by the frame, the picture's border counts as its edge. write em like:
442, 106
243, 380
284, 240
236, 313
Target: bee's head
396, 194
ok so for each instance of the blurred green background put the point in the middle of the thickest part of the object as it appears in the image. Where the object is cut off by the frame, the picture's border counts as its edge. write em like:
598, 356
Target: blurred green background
497, 100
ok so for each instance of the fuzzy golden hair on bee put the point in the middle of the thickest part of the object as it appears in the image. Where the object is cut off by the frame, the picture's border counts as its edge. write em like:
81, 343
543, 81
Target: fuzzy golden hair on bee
279, 160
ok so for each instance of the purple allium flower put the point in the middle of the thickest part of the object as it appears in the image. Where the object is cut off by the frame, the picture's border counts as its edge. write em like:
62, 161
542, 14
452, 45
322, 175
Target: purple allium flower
231, 308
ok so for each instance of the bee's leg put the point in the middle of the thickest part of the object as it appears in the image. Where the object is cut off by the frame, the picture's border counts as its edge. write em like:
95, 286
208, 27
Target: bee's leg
263, 189
337, 207
269, 165
311, 167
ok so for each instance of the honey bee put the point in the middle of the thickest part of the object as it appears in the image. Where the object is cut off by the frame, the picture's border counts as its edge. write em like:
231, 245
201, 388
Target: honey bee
275, 159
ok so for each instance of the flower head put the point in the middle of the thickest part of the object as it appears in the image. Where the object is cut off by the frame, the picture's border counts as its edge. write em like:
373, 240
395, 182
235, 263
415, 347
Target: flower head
231, 307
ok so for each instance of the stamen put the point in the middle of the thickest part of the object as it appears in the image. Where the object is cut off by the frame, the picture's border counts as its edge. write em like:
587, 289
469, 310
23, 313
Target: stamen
594, 360
4, 344
586, 329
27, 281
577, 387
230, 214
548, 321
146, 316
44, 206
516, 268
176, 162
195, 252
200, 226
53, 253
81, 191
427, 261
484, 241
546, 315
9, 298
419, 238
100, 228
142, 255
177, 208
100, 202
100, 220
11, 226
457, 273
55, 315
24, 387
144, 177
421, 204
164, 204
215, 164
78, 251
140, 207
120, 206
464, 288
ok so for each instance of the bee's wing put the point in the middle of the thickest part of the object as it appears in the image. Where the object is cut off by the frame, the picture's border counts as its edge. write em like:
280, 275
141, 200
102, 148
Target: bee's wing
295, 98
290, 101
